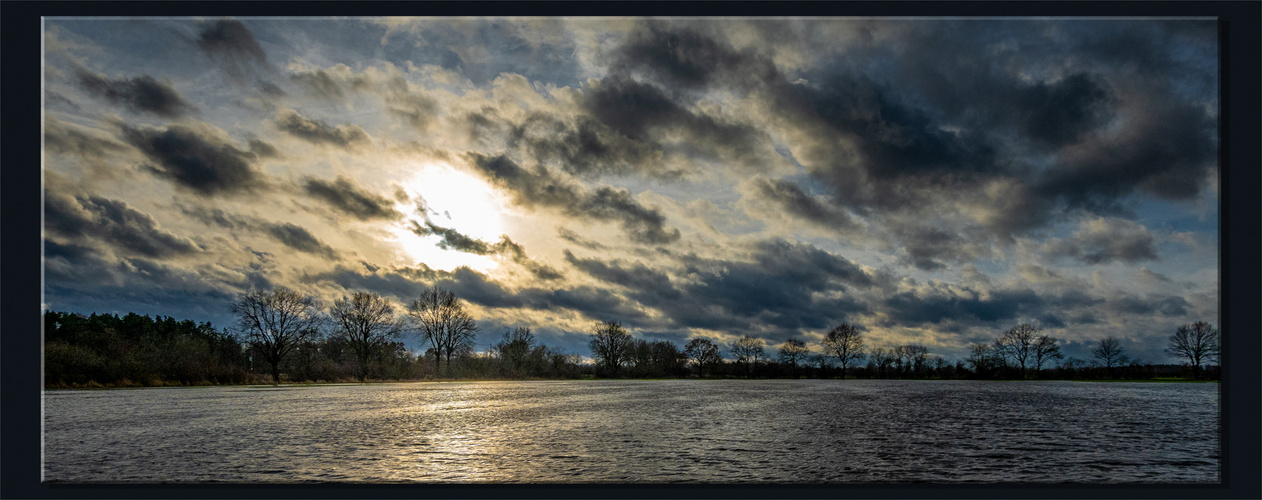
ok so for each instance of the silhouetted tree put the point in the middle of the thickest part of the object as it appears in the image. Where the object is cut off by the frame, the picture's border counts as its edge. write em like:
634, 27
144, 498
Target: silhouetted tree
748, 350
665, 358
276, 321
792, 351
915, 357
1109, 353
366, 321
983, 360
611, 346
881, 360
1017, 344
1196, 342
443, 321
515, 348
1045, 349
702, 352
845, 343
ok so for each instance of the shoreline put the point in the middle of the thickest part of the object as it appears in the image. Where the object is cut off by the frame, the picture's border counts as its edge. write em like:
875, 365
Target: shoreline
97, 386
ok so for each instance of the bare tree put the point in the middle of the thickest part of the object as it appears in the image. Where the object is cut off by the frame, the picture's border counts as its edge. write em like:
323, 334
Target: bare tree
1045, 349
366, 321
916, 356
748, 350
611, 346
984, 360
1110, 354
1197, 342
1017, 344
277, 321
881, 359
444, 323
515, 347
845, 343
702, 352
792, 351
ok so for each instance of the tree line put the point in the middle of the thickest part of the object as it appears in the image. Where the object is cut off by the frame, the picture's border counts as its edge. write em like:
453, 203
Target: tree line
283, 335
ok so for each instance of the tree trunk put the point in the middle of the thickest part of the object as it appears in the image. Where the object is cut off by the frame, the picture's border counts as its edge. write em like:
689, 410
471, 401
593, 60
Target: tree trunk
275, 373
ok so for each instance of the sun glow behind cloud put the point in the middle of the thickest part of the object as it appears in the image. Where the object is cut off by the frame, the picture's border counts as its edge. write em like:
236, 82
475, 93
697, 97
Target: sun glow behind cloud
450, 199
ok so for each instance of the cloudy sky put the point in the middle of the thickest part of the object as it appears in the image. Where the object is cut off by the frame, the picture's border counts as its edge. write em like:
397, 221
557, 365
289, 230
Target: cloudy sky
933, 181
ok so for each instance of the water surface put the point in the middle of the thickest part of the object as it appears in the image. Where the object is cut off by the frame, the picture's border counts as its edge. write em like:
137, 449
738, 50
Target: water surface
692, 431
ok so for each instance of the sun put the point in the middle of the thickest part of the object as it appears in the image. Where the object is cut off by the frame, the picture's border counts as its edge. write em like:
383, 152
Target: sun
452, 199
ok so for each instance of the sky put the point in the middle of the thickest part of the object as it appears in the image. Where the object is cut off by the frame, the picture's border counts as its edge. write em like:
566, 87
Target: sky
932, 181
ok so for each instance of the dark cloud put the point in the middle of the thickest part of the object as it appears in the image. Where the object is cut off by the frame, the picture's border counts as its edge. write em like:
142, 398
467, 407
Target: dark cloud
193, 160
291, 235
1102, 241
1153, 304
318, 83
576, 239
479, 289
683, 57
263, 150
541, 188
233, 46
586, 147
455, 240
645, 225
141, 94
943, 112
82, 216
1167, 148
787, 285
644, 112
348, 197
299, 238
813, 209
231, 37
452, 239
345, 136
938, 307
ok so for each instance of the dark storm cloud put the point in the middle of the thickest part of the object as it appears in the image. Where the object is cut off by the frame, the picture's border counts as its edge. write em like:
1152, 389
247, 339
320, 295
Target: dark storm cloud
926, 246
141, 94
1167, 148
348, 197
787, 285
939, 111
683, 57
643, 112
586, 147
452, 239
1001, 305
455, 240
793, 200
636, 277
1106, 240
288, 234
239, 54
1153, 304
299, 238
645, 225
541, 188
405, 283
229, 36
80, 215
202, 163
344, 136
